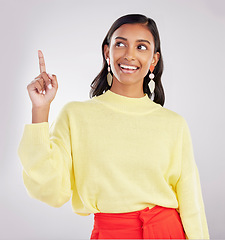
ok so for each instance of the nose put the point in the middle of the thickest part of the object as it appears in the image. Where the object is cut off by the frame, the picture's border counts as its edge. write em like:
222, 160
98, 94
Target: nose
130, 54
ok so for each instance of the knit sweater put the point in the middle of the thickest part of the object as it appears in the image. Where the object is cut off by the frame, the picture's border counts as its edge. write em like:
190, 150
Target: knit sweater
115, 154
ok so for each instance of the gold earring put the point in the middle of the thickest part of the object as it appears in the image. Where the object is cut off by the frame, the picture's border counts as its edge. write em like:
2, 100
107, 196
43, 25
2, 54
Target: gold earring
109, 75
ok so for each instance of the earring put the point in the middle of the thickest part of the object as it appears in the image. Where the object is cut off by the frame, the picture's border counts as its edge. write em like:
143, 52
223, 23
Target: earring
151, 84
109, 75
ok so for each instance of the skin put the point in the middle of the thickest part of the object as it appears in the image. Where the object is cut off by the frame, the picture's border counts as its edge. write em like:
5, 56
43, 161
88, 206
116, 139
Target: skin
42, 91
131, 44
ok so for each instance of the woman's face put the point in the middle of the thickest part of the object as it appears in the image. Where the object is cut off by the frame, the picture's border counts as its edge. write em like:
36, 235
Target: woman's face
131, 52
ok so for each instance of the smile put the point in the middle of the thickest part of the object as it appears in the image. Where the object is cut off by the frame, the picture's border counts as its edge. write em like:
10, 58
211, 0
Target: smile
128, 68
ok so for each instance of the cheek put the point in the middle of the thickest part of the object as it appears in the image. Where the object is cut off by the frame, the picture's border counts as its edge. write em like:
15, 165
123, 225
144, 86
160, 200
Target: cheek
114, 56
146, 62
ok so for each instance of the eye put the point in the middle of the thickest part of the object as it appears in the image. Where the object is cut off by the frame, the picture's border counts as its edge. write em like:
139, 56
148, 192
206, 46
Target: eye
142, 47
120, 44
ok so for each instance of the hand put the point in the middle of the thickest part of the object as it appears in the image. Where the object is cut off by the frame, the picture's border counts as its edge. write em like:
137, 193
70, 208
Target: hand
43, 88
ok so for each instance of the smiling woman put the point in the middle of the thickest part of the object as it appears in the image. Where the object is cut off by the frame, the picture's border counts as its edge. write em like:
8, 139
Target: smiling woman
122, 156
131, 52
133, 41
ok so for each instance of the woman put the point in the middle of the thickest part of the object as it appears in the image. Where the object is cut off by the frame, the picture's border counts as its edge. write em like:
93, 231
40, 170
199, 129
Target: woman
121, 155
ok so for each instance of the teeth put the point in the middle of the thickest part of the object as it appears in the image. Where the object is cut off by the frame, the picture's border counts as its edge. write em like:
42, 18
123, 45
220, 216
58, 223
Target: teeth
128, 67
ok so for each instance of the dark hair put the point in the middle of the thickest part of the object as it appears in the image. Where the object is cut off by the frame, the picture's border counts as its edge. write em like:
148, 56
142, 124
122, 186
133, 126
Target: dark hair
100, 84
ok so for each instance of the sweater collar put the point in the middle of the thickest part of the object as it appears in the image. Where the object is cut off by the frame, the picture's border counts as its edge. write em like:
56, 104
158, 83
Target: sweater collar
127, 104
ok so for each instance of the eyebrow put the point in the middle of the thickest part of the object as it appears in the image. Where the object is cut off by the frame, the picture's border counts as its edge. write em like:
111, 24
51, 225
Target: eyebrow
139, 40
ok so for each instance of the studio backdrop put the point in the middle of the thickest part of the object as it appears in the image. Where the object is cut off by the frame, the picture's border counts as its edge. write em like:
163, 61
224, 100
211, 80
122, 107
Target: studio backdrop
70, 34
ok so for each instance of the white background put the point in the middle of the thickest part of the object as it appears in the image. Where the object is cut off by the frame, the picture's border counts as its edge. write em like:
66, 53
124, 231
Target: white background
70, 34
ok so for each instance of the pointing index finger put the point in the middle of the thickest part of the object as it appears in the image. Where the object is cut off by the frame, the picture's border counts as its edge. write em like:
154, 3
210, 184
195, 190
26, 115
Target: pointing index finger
41, 61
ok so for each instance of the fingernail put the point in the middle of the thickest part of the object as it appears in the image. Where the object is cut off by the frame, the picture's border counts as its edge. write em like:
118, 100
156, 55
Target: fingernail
41, 91
44, 92
50, 86
49, 74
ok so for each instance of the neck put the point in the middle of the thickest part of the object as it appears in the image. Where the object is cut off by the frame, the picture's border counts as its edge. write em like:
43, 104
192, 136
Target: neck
132, 91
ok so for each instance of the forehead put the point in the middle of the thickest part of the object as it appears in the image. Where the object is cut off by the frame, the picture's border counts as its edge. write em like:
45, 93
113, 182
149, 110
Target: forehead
133, 32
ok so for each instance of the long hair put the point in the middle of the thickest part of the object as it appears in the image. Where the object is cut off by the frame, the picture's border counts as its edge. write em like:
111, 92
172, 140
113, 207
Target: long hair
100, 84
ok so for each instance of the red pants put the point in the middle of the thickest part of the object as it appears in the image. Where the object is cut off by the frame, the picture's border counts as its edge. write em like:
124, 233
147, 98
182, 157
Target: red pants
156, 223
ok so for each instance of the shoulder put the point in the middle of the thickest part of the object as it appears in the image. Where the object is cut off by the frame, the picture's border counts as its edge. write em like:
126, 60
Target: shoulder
171, 115
76, 106
176, 122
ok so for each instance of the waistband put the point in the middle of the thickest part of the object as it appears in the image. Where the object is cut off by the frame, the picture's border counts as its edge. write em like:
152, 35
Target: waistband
136, 218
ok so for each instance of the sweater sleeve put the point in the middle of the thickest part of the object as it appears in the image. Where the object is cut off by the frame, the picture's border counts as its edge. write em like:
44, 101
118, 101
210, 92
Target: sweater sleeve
45, 154
189, 194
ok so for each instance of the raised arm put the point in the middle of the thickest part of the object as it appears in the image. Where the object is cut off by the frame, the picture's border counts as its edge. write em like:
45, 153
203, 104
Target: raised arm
44, 150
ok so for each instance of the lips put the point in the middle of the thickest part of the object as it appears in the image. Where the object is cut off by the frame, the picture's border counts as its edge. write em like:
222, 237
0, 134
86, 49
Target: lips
128, 68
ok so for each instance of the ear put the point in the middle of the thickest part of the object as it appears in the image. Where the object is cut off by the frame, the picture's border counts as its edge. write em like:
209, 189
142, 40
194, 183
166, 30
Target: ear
106, 51
155, 59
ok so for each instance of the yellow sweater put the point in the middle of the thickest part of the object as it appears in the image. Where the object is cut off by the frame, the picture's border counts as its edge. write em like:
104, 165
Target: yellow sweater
115, 154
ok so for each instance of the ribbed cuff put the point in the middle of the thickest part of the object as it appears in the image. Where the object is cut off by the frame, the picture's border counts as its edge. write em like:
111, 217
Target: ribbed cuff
36, 133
